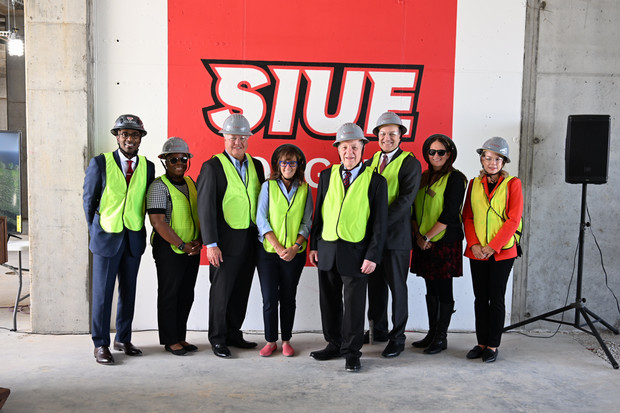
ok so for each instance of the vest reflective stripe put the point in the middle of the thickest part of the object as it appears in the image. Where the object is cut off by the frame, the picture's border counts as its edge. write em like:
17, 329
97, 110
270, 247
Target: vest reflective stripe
429, 206
390, 173
120, 205
489, 217
240, 199
184, 218
284, 218
345, 215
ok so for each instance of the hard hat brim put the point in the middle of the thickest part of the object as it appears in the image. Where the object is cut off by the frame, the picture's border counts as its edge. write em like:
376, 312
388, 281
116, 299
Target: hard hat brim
163, 154
364, 139
114, 130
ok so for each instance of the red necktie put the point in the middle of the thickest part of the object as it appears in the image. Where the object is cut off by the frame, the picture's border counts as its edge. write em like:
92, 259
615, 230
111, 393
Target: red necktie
129, 172
347, 179
383, 163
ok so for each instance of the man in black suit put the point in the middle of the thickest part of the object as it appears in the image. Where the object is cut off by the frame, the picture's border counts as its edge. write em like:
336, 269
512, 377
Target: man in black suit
402, 171
228, 188
346, 242
114, 203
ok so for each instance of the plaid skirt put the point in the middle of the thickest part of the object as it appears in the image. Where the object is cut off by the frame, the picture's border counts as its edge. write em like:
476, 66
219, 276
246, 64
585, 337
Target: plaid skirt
440, 262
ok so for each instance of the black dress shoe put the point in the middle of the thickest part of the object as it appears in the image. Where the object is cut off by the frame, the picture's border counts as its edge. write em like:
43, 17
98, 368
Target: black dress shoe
475, 352
179, 352
393, 349
352, 364
377, 338
489, 356
240, 343
103, 355
190, 348
221, 350
328, 353
128, 348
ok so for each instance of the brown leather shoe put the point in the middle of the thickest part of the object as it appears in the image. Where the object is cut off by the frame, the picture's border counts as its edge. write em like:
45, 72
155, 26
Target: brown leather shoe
4, 394
128, 348
103, 355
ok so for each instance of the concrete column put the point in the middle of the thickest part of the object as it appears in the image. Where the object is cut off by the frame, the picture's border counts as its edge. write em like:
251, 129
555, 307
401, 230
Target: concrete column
526, 151
58, 113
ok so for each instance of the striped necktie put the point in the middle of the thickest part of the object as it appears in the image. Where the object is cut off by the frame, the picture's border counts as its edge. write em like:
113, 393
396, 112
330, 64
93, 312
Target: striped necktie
347, 179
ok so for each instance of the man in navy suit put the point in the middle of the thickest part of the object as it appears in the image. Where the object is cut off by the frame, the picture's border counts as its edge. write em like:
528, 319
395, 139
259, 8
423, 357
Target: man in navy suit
114, 203
346, 243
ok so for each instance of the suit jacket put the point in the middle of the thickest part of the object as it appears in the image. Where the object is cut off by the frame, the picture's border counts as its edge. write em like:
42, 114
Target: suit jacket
101, 242
348, 257
211, 185
398, 235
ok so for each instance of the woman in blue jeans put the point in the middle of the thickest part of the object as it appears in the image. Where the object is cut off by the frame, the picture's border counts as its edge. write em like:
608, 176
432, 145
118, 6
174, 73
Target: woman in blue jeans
283, 217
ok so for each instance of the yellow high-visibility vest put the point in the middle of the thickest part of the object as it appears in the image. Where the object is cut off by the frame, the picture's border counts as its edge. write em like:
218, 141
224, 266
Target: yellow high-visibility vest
284, 218
240, 198
345, 215
184, 218
123, 205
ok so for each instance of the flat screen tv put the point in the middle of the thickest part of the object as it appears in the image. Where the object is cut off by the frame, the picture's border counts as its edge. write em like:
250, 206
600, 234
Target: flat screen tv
10, 180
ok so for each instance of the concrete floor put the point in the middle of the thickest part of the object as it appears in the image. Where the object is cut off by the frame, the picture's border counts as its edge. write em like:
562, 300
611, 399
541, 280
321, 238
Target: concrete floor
58, 373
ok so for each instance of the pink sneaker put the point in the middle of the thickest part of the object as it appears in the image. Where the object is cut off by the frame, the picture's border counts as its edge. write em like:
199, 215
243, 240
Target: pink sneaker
268, 349
287, 350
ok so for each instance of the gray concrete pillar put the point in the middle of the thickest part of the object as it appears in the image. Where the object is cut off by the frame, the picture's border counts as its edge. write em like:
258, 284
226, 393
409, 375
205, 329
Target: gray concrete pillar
58, 113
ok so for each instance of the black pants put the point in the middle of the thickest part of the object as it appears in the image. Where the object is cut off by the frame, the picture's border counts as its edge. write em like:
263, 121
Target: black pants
229, 293
392, 273
278, 284
343, 301
489, 279
176, 279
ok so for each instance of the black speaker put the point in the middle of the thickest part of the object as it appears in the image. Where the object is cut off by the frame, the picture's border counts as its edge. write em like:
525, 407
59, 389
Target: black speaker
587, 149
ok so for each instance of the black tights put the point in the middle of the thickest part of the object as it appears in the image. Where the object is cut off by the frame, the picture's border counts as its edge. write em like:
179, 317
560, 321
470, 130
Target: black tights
441, 289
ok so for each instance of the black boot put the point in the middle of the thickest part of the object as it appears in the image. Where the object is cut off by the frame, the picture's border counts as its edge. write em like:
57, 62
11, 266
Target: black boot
440, 342
432, 304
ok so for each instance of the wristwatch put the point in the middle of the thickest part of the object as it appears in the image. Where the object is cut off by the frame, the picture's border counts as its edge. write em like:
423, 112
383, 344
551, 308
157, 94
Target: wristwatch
425, 238
181, 246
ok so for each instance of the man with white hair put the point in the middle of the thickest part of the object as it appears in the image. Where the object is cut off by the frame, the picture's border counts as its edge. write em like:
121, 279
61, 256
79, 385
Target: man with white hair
346, 244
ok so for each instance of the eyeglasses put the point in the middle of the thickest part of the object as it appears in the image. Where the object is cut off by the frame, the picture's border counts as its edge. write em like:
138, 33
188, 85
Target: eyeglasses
284, 164
241, 139
488, 159
390, 134
173, 161
134, 135
440, 152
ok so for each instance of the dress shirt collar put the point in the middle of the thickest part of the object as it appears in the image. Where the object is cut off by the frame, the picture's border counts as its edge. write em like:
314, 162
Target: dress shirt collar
354, 172
390, 155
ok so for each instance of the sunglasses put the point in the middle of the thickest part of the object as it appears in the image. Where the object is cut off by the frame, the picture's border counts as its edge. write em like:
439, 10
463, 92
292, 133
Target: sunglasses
292, 164
440, 152
173, 161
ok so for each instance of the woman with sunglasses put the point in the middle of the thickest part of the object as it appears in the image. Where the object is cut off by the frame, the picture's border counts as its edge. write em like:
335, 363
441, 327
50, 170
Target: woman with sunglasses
492, 220
171, 205
438, 234
283, 217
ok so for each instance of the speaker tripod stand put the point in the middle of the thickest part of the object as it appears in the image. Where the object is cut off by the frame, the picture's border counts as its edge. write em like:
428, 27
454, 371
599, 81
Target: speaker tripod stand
579, 304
